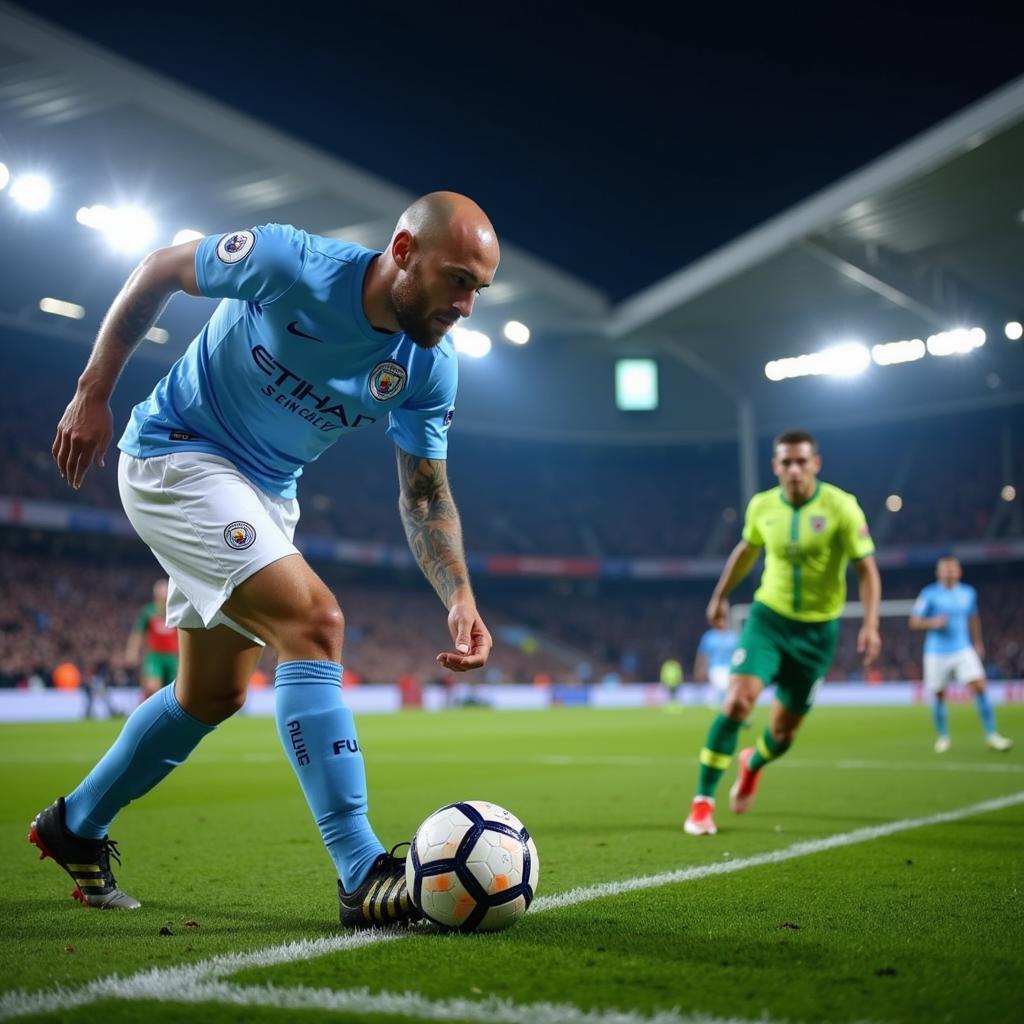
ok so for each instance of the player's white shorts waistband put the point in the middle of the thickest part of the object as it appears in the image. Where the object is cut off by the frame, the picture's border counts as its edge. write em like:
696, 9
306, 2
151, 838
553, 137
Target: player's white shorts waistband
941, 670
209, 527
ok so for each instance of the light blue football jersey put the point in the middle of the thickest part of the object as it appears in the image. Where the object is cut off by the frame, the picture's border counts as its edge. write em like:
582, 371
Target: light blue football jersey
288, 363
717, 646
958, 604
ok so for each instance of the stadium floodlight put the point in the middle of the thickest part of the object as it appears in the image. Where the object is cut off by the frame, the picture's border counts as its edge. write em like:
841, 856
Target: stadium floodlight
158, 335
892, 352
516, 332
186, 235
958, 342
58, 307
5, 176
845, 360
894, 503
471, 343
1008, 493
130, 229
31, 191
96, 217
1014, 330
127, 228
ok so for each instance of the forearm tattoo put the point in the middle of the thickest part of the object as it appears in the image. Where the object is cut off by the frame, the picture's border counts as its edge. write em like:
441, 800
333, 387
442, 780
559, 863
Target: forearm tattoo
135, 312
431, 523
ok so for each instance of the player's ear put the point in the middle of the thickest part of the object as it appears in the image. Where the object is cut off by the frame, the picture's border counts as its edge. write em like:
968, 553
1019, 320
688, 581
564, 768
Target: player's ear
401, 248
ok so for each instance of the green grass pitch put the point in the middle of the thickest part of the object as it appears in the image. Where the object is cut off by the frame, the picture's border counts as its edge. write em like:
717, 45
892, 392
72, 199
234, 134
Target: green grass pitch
923, 925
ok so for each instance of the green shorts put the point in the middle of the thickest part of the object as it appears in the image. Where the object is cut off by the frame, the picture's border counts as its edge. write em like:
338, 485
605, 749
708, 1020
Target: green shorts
160, 666
795, 656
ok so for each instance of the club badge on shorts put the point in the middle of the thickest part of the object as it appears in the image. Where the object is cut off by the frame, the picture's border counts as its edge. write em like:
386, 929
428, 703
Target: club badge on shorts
387, 380
239, 535
235, 247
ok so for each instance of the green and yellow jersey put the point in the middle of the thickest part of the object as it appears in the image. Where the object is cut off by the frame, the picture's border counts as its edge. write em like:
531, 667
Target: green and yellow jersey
807, 549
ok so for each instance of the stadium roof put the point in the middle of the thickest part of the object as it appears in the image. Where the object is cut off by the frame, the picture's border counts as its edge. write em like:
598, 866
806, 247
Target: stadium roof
929, 237
99, 124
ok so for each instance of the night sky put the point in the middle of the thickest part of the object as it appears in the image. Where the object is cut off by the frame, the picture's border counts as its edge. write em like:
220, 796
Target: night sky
619, 146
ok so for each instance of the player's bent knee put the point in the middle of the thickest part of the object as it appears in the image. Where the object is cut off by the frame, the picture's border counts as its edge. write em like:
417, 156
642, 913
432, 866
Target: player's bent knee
738, 707
319, 634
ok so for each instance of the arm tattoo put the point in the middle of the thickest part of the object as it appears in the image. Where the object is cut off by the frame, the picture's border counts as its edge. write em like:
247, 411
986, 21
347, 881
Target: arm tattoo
431, 523
136, 313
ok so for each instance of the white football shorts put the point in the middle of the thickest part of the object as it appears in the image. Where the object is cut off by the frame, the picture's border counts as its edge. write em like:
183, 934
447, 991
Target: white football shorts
959, 667
209, 527
718, 677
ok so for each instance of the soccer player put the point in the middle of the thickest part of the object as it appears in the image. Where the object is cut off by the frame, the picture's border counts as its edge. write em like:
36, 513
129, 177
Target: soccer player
948, 611
314, 339
159, 665
714, 655
672, 679
809, 531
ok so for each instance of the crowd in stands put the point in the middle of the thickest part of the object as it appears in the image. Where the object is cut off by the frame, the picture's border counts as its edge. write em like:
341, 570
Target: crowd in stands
73, 614
65, 618
576, 500
74, 603
594, 502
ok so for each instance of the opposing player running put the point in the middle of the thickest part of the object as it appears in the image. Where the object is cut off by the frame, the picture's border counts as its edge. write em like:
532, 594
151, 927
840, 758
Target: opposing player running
809, 531
315, 339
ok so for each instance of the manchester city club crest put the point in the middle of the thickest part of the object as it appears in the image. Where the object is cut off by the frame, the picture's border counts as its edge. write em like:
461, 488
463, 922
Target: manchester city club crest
817, 523
239, 535
387, 380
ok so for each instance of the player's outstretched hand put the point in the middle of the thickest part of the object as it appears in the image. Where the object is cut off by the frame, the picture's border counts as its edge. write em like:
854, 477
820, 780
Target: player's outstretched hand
869, 643
472, 639
83, 435
718, 612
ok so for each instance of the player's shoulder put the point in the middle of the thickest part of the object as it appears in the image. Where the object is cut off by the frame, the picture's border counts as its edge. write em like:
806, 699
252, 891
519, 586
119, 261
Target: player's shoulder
765, 499
267, 238
348, 253
834, 495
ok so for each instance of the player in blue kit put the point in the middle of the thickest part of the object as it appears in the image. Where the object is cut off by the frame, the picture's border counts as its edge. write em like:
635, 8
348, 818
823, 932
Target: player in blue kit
953, 649
314, 339
714, 656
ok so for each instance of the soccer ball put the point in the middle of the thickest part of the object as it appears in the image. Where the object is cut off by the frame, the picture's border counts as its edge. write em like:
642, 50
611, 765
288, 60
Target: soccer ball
473, 867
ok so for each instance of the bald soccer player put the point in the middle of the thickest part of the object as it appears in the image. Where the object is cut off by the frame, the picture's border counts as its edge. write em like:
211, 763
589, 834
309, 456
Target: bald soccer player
809, 531
314, 339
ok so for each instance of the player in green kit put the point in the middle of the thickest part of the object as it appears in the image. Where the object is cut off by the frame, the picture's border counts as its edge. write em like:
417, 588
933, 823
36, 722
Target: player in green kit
153, 645
809, 530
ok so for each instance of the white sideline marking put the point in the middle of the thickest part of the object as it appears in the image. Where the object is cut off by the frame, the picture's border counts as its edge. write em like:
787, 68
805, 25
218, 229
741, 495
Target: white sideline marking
411, 1004
198, 982
167, 982
803, 849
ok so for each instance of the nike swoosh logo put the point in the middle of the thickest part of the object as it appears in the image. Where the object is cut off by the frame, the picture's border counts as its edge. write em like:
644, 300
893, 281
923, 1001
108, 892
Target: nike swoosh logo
293, 328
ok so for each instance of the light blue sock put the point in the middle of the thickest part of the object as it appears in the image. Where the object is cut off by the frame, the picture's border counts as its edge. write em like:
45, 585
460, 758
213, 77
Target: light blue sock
941, 718
988, 716
319, 737
157, 737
